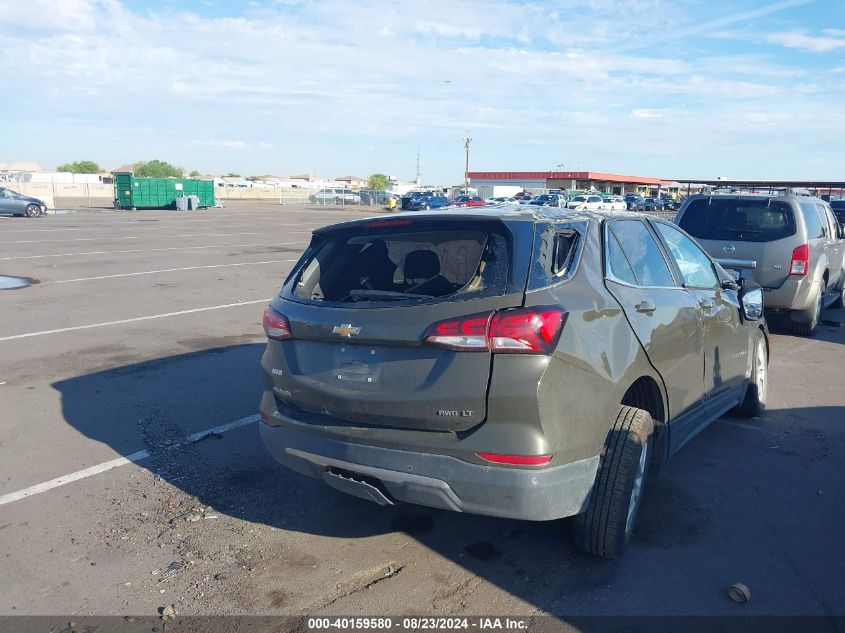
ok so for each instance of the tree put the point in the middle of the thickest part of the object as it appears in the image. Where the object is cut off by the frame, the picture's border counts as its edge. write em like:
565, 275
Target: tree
157, 169
80, 167
378, 182
194, 174
232, 174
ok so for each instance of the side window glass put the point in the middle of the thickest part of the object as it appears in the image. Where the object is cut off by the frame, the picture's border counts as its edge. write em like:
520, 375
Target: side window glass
618, 266
696, 268
642, 253
825, 214
813, 221
564, 248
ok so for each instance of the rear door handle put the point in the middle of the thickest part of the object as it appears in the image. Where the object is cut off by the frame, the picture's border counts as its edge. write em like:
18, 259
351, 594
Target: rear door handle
646, 305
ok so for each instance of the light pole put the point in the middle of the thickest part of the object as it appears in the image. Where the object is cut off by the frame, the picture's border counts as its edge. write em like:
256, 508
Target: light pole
467, 142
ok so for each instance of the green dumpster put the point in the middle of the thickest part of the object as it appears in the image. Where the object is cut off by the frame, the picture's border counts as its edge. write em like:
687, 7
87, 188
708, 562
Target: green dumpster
131, 192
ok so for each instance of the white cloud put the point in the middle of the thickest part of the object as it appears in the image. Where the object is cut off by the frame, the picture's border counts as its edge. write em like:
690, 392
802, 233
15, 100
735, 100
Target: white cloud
830, 40
325, 82
646, 113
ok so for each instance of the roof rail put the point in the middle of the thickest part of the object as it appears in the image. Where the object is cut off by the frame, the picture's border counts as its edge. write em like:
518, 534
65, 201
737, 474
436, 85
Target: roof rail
771, 191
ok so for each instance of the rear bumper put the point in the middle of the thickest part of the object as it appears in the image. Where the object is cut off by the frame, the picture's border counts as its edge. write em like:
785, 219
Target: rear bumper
439, 481
796, 293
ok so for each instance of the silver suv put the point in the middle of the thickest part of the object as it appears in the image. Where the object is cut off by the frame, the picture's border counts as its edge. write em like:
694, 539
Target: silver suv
788, 242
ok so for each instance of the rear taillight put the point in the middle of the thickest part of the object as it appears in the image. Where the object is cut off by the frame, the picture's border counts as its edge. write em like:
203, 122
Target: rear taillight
527, 330
516, 460
276, 326
533, 330
800, 263
467, 333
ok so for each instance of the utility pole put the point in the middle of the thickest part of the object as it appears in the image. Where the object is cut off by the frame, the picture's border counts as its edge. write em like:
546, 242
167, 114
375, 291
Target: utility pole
467, 142
419, 180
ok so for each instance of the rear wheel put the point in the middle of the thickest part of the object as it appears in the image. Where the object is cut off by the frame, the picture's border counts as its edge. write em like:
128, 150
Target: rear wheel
606, 527
809, 319
33, 210
754, 403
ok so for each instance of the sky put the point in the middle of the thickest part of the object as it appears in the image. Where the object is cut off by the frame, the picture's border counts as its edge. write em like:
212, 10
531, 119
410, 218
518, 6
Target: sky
666, 88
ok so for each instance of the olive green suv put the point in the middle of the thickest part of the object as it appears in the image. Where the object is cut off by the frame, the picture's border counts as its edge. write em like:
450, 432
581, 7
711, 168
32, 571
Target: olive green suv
789, 242
513, 362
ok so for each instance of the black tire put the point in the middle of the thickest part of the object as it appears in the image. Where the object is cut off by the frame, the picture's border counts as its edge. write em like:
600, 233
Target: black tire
754, 403
606, 526
33, 210
809, 319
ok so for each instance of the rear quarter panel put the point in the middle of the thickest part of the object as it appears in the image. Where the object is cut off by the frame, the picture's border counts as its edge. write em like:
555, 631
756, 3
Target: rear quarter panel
597, 359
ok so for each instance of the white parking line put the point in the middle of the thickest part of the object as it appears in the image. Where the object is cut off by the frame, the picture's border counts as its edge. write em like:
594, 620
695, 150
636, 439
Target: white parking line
148, 250
114, 463
165, 270
138, 228
121, 321
146, 237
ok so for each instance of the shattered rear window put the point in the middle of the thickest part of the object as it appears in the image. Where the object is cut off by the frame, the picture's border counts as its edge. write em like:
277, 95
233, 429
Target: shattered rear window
405, 265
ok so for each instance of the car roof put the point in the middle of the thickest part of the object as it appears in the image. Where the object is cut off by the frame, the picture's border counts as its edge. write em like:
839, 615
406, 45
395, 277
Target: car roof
509, 211
780, 195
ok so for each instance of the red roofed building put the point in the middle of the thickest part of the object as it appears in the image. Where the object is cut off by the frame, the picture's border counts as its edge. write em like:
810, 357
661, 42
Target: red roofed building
580, 180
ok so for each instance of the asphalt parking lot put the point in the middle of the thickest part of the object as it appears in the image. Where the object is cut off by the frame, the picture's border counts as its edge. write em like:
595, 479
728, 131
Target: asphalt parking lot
144, 329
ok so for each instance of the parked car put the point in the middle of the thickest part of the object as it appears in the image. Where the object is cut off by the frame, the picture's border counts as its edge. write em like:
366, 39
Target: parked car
428, 358
547, 200
634, 202
651, 205
335, 196
469, 201
373, 197
670, 204
614, 203
589, 202
433, 201
413, 195
523, 194
502, 200
790, 244
19, 204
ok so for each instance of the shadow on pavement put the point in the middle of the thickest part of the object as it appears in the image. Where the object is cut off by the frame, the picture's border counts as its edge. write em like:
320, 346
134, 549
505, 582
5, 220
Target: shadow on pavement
737, 504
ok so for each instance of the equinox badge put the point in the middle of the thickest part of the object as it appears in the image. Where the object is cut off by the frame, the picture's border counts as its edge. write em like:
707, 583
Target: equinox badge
346, 329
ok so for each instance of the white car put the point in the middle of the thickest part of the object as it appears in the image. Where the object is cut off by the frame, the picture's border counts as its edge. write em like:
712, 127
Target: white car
335, 196
588, 202
501, 200
615, 203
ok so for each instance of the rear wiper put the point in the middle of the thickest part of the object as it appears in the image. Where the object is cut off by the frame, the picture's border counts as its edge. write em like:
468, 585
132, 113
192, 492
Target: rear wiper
385, 295
727, 228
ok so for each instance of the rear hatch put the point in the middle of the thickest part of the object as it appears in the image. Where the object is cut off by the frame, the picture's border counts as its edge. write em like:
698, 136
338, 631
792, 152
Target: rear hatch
753, 236
360, 302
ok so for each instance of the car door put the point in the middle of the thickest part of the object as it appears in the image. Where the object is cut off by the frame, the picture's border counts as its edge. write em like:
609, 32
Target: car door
833, 247
665, 317
725, 335
5, 201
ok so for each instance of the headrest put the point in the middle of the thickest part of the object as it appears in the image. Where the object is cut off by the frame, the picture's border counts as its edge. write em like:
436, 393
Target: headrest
421, 265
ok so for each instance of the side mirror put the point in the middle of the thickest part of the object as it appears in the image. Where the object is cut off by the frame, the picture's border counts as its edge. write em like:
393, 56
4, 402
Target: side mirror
751, 299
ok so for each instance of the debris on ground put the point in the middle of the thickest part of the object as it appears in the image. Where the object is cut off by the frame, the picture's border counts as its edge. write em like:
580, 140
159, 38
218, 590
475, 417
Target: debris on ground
739, 593
224, 575
168, 613
214, 434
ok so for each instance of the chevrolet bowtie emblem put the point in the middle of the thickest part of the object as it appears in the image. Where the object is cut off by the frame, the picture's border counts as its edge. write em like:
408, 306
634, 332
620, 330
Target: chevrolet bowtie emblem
346, 329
